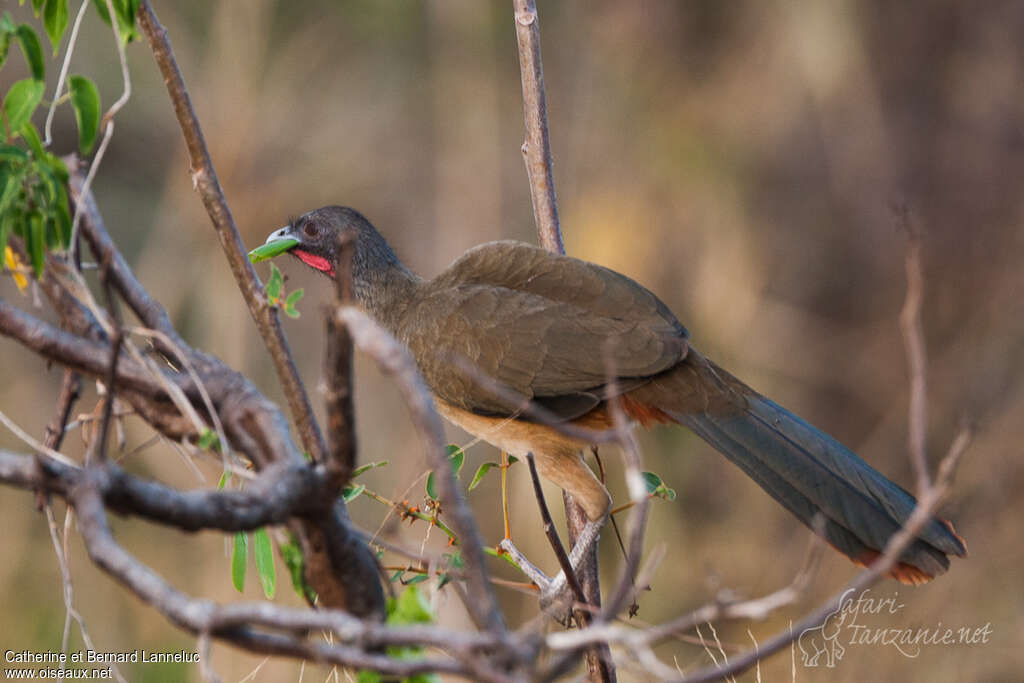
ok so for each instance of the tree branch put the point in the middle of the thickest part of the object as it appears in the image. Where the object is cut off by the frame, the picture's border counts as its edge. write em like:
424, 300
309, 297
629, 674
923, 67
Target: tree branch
204, 179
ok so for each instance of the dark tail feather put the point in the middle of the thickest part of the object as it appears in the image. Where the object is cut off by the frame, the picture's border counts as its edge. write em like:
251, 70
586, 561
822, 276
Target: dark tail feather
809, 472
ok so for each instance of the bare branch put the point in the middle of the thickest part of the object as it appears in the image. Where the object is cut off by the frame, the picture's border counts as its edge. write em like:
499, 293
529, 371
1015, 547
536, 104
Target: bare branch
394, 359
917, 360
537, 147
341, 431
204, 178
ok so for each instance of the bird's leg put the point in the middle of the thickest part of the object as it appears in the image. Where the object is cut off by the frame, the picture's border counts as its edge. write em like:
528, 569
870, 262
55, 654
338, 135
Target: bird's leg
569, 471
504, 494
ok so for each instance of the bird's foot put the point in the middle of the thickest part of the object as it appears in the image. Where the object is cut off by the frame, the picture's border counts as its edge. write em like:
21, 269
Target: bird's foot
556, 596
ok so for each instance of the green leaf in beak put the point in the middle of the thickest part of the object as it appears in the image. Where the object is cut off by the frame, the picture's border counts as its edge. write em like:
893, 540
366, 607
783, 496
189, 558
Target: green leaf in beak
272, 249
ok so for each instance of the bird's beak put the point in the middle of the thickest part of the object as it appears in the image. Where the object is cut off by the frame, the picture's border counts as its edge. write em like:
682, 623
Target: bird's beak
278, 242
278, 234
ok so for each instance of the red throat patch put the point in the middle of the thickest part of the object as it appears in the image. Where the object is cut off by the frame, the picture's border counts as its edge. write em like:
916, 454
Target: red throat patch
314, 261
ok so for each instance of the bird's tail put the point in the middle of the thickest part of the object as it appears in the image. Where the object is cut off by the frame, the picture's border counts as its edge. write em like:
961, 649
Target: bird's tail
801, 467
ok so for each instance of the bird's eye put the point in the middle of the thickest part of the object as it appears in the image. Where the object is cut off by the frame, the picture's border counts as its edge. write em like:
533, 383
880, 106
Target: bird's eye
311, 229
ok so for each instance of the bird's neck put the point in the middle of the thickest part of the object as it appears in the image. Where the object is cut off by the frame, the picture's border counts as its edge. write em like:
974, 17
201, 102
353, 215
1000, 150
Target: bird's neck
385, 292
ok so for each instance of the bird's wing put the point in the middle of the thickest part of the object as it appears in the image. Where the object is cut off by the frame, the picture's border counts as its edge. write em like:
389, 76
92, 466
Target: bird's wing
544, 326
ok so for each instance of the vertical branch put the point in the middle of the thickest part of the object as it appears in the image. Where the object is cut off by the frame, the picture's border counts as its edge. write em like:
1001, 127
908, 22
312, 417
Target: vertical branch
341, 432
537, 155
204, 178
917, 359
537, 147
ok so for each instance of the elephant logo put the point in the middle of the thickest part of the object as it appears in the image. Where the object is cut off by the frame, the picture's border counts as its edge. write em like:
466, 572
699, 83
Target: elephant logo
823, 641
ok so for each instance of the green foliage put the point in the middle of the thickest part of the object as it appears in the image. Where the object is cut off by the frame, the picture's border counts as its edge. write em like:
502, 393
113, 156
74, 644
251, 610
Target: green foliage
125, 12
369, 466
485, 468
263, 549
33, 51
21, 100
85, 100
455, 459
291, 553
276, 294
55, 21
34, 203
350, 493
239, 560
291, 300
657, 488
275, 284
208, 440
411, 607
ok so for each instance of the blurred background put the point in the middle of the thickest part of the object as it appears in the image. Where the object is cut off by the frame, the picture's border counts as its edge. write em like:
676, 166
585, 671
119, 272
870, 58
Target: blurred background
745, 161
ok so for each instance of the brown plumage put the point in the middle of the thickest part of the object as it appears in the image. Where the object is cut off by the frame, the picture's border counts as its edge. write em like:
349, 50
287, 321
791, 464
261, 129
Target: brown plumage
547, 328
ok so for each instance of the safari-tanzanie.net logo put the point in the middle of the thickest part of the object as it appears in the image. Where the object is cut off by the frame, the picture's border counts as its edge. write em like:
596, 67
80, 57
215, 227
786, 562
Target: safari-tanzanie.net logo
859, 621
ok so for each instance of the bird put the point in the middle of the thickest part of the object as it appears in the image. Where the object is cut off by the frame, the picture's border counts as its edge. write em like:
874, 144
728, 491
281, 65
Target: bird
546, 328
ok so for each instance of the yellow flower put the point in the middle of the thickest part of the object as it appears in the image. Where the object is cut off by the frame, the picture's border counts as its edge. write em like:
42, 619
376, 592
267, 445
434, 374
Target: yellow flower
15, 265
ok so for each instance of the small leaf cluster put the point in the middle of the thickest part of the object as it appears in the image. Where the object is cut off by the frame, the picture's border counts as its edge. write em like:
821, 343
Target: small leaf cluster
33, 182
263, 549
276, 294
409, 608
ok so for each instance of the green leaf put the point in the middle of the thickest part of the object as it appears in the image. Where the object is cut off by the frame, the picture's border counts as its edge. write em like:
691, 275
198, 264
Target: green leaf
368, 676
369, 466
480, 472
85, 100
289, 303
33, 53
274, 284
455, 459
22, 99
55, 21
62, 219
5, 44
657, 487
264, 551
34, 142
350, 493
12, 183
239, 558
125, 10
36, 4
456, 456
411, 607
11, 153
267, 251
208, 440
291, 553
223, 480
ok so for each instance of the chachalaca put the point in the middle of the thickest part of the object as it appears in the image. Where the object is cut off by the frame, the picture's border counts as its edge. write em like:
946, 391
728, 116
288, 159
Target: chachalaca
547, 327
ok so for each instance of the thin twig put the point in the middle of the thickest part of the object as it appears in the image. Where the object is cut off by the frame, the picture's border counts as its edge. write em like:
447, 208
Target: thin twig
917, 360
556, 543
65, 65
107, 123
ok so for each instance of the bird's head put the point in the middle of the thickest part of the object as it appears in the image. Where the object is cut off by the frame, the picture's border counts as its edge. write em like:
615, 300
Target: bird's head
315, 238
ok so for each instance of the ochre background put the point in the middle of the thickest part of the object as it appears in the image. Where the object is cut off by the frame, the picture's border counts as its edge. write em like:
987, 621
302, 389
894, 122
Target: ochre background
742, 160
